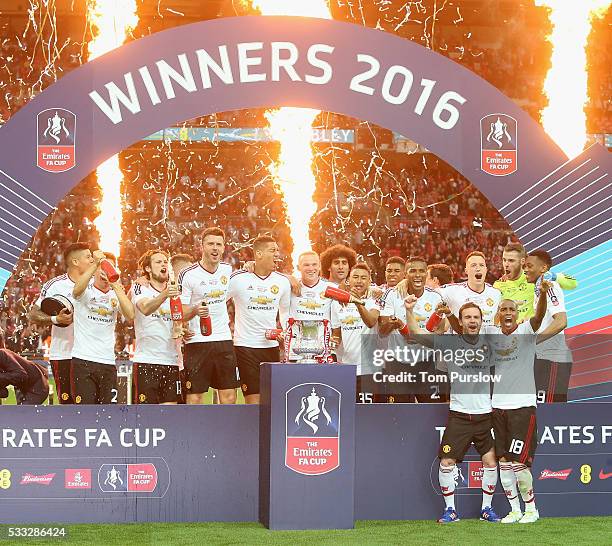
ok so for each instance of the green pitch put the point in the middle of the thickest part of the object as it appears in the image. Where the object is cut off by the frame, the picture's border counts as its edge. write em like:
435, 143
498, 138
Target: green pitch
570, 531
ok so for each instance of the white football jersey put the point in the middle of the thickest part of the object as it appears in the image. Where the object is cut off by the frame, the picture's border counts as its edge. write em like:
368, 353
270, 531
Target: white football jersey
95, 316
62, 339
197, 285
554, 349
311, 304
257, 302
154, 342
456, 294
469, 393
513, 357
355, 334
423, 309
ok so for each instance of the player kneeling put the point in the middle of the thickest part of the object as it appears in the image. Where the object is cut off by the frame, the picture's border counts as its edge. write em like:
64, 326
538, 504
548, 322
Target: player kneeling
470, 412
155, 373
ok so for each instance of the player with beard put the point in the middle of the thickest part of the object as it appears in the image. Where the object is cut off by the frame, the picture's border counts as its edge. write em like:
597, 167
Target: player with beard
155, 374
475, 289
336, 263
513, 349
470, 410
514, 284
553, 365
77, 258
355, 328
96, 308
260, 299
392, 321
310, 304
209, 359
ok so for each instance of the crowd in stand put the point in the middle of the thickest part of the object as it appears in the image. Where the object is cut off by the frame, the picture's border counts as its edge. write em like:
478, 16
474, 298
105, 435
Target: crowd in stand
382, 203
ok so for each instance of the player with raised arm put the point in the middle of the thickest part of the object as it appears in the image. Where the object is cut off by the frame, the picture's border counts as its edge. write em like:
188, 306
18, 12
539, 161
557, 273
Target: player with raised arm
392, 324
469, 416
475, 289
355, 328
336, 263
77, 258
513, 348
155, 374
209, 355
261, 298
553, 365
96, 308
514, 284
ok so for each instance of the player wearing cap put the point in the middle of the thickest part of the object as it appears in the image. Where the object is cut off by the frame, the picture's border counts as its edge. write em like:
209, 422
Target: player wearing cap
96, 308
260, 299
553, 365
513, 348
77, 258
475, 289
209, 359
155, 374
469, 416
355, 328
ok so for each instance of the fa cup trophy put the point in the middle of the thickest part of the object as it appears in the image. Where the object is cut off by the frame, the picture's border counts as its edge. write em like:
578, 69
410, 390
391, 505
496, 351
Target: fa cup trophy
309, 340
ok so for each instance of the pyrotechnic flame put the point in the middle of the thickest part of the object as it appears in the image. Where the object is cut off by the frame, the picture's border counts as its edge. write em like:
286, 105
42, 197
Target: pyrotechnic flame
112, 21
292, 127
564, 118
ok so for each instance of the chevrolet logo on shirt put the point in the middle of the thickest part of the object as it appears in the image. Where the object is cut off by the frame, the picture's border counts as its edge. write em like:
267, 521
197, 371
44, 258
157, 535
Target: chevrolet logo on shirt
507, 350
349, 320
309, 304
102, 311
215, 294
262, 300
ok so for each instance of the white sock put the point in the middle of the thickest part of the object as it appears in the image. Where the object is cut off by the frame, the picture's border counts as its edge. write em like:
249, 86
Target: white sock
447, 484
510, 485
489, 481
525, 485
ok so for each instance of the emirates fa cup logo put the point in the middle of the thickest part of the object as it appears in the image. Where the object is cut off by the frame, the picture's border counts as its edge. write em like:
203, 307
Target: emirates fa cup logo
56, 132
498, 144
312, 441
